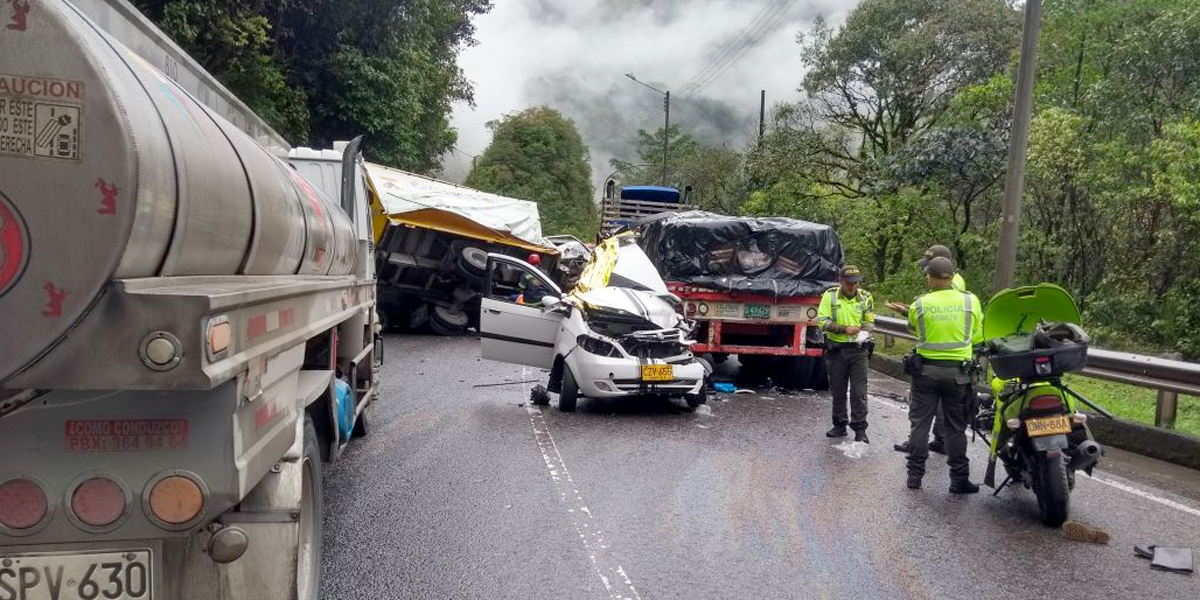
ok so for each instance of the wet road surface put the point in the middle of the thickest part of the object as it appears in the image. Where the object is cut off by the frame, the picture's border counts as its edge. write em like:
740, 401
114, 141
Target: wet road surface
469, 492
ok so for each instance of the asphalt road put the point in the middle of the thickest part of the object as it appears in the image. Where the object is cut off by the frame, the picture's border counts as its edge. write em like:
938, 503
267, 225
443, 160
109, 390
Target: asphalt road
467, 492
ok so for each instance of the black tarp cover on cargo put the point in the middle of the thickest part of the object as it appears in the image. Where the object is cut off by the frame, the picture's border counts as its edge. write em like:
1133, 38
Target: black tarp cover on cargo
767, 255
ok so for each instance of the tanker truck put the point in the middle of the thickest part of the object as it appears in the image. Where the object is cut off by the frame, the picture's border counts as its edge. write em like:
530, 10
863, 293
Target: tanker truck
187, 325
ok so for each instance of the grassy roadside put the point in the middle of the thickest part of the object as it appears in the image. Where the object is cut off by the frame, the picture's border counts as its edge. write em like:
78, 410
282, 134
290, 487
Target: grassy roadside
1128, 402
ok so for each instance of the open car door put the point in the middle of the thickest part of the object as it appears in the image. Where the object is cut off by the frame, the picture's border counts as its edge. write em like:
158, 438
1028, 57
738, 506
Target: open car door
513, 327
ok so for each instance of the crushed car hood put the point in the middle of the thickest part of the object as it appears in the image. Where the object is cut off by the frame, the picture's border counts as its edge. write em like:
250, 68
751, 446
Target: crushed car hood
634, 303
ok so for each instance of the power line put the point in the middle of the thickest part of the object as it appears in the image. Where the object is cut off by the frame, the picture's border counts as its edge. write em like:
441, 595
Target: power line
746, 49
733, 51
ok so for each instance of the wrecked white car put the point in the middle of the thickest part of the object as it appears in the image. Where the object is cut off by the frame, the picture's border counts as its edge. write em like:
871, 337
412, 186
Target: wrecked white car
616, 334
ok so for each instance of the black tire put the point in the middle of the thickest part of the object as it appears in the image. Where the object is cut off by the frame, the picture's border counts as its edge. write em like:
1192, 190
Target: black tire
1053, 491
819, 379
472, 262
448, 321
309, 546
793, 372
538, 396
695, 400
569, 396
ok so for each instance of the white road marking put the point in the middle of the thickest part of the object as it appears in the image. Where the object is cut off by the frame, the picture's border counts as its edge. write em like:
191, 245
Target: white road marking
1147, 495
1141, 493
612, 575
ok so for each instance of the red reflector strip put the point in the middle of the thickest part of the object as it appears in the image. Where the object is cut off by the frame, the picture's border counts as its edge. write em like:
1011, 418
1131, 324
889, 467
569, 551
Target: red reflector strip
265, 323
1045, 402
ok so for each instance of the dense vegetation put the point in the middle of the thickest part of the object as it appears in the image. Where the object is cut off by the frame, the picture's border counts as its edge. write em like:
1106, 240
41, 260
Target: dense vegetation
326, 70
901, 139
538, 155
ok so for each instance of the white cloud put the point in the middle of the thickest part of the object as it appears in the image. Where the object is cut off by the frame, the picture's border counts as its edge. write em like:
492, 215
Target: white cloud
572, 55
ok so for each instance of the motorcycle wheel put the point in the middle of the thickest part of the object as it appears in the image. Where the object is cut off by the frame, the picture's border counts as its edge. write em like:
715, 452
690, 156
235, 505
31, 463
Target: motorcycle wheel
1053, 491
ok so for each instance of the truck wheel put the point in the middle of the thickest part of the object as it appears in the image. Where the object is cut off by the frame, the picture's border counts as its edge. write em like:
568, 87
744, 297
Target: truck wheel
819, 380
309, 538
448, 321
472, 261
794, 372
569, 396
1053, 492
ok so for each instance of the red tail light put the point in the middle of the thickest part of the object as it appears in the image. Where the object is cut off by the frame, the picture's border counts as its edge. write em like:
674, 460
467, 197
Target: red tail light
98, 502
1045, 403
22, 504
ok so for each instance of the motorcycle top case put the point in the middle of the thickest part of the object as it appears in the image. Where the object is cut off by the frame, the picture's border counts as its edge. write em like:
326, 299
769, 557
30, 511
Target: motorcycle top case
775, 256
1026, 330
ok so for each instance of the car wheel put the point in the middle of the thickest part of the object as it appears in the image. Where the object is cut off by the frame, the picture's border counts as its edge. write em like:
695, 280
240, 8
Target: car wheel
695, 400
569, 396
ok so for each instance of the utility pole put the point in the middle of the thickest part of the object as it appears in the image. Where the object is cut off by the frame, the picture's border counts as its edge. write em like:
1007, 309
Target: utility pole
762, 115
667, 129
1014, 180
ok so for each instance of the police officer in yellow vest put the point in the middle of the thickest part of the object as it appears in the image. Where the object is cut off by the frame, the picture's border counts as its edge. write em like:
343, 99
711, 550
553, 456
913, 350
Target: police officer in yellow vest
948, 323
958, 284
844, 313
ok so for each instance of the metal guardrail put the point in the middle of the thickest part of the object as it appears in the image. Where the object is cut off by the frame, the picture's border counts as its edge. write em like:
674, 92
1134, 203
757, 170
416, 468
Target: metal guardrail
1169, 377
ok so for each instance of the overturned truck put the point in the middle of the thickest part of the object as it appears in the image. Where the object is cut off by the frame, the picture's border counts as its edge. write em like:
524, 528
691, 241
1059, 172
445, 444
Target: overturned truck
432, 257
752, 285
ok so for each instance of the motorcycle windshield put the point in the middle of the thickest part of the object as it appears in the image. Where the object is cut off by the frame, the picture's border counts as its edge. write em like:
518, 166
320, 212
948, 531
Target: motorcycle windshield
1017, 311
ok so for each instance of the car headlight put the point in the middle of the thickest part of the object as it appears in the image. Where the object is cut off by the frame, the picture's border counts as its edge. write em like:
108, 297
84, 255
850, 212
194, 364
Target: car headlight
597, 346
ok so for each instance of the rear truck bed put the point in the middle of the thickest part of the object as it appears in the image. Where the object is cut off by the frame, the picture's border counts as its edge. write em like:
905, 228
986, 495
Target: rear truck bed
774, 337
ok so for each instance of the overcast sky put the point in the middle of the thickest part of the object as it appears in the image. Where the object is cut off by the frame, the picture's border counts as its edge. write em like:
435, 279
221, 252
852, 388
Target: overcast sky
572, 55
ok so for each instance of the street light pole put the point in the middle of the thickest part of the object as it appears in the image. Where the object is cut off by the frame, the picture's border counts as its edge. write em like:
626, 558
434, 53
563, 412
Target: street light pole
667, 128
666, 134
1014, 180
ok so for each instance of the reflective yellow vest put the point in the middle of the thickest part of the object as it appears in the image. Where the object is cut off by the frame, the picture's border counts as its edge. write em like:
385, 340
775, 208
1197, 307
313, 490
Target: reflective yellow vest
948, 323
851, 312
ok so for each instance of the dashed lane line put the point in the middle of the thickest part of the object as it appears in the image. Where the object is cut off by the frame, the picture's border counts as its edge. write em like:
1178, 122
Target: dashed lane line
616, 581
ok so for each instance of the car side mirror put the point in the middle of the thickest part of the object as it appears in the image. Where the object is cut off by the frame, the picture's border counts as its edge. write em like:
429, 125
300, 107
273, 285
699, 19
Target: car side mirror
554, 304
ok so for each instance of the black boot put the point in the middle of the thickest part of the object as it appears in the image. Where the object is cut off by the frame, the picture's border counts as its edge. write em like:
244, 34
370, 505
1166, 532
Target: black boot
837, 431
914, 482
861, 436
902, 447
938, 446
963, 486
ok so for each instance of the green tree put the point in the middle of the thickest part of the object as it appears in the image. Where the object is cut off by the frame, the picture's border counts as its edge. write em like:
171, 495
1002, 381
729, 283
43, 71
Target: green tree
538, 155
327, 70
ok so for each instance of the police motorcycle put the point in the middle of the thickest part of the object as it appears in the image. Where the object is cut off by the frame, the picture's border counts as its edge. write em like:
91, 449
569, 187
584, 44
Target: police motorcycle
1039, 435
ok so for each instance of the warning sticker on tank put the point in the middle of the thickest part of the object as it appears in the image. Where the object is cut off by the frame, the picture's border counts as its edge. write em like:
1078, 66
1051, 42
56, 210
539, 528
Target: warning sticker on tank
40, 118
129, 435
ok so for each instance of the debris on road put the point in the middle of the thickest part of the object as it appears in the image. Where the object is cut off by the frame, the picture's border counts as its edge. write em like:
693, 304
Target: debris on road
522, 382
704, 409
745, 391
854, 449
1074, 530
725, 388
1175, 560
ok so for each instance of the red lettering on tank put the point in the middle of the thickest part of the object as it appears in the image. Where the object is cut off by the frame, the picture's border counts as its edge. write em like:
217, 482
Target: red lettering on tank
287, 317
108, 202
18, 21
54, 302
40, 87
